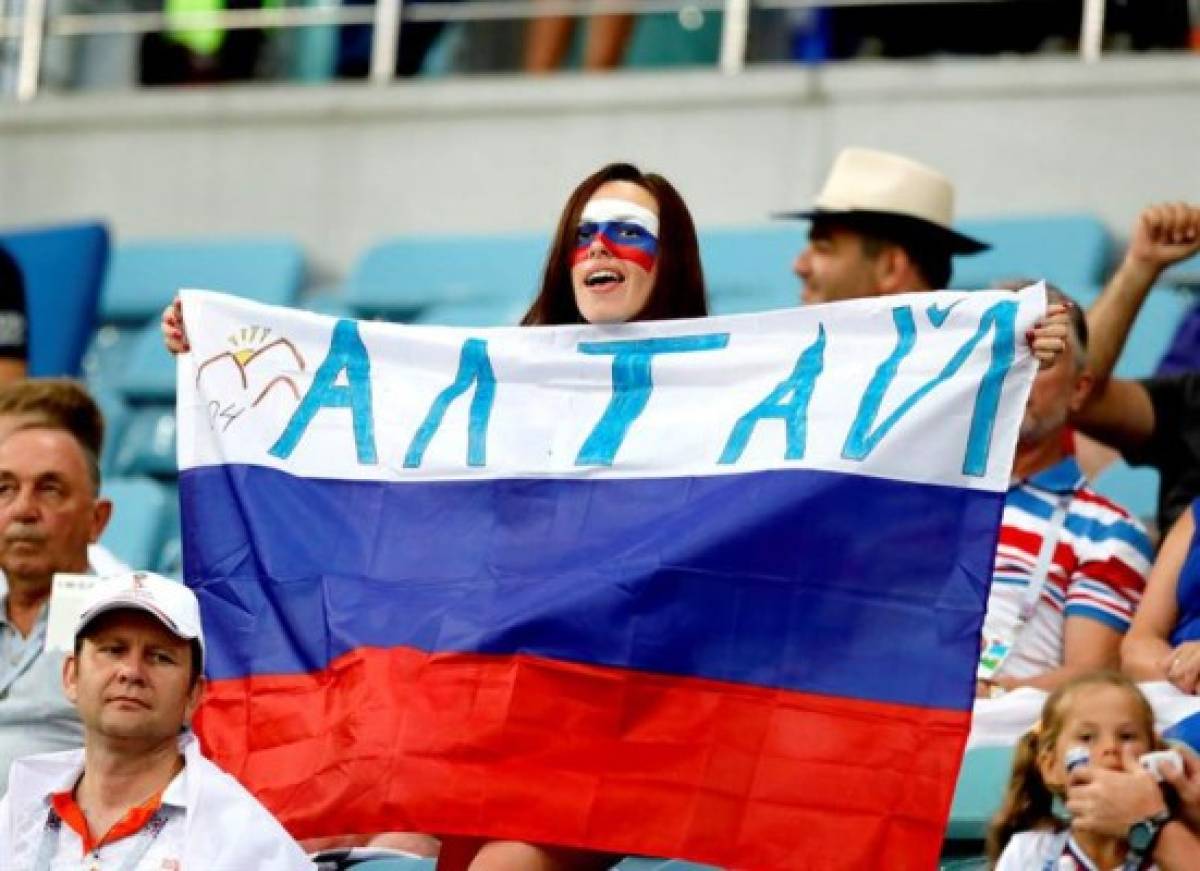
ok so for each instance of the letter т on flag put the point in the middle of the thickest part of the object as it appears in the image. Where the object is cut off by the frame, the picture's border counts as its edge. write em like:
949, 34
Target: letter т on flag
740, 627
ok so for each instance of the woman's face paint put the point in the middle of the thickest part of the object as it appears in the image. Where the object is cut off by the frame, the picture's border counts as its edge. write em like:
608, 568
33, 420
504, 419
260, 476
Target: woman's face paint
613, 266
626, 229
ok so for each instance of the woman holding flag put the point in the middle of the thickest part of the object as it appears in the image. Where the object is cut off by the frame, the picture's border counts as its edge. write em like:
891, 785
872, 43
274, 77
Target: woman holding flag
625, 249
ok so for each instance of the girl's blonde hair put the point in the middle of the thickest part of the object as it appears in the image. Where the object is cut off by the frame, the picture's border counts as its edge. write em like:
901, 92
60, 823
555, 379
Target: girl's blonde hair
1028, 800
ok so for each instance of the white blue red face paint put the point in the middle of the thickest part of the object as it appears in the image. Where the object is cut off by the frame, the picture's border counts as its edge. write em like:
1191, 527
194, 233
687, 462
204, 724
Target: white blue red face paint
627, 230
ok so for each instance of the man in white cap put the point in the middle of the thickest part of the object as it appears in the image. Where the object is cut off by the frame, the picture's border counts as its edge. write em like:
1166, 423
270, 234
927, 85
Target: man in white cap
140, 795
880, 225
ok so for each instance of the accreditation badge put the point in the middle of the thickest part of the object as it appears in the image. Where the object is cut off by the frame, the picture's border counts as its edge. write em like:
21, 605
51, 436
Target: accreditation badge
996, 649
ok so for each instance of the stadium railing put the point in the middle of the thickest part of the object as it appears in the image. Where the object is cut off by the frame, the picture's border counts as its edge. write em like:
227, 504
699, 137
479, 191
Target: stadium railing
39, 20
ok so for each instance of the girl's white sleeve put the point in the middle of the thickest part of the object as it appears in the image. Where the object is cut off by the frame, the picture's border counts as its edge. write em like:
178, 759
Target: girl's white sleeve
1025, 852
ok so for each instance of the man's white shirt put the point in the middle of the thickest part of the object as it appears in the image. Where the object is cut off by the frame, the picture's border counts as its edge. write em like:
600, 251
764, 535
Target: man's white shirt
216, 825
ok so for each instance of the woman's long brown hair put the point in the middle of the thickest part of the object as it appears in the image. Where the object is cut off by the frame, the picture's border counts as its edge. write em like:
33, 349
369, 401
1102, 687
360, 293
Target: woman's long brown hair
678, 290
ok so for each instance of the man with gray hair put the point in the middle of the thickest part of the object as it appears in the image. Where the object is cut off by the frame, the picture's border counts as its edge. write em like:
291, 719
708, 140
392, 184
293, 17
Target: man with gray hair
50, 512
1070, 565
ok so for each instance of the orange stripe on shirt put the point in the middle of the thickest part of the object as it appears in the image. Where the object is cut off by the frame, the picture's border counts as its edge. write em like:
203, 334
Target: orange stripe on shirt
134, 821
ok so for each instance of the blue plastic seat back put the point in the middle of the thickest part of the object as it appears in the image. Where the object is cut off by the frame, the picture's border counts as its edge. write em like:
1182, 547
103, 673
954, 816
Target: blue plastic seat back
1134, 488
965, 863
1153, 331
107, 355
1186, 274
473, 313
147, 444
981, 782
360, 859
398, 278
136, 532
643, 864
63, 268
147, 373
144, 276
1070, 250
116, 415
750, 268
169, 560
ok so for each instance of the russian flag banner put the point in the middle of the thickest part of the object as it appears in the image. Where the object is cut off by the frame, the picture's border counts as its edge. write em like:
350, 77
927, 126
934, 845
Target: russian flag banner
709, 589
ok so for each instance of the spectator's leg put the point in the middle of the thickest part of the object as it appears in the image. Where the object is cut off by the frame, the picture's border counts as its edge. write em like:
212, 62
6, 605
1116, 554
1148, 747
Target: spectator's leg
608, 35
546, 42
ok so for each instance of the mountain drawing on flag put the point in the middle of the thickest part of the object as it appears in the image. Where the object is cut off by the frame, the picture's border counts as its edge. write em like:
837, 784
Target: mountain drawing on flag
255, 369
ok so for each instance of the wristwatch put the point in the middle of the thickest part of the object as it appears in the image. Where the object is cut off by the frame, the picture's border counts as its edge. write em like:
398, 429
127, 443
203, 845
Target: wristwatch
1144, 833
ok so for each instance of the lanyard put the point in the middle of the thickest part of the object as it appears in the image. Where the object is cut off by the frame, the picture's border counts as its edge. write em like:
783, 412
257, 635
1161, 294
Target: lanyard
145, 838
1041, 569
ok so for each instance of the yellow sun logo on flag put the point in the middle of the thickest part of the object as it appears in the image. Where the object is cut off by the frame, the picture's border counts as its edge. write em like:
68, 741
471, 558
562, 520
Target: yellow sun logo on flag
247, 342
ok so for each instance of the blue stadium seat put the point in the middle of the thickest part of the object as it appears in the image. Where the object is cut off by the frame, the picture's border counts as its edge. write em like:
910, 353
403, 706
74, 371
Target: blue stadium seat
1072, 251
144, 276
1185, 274
148, 372
749, 268
330, 303
1134, 488
368, 859
169, 559
398, 278
63, 268
642, 864
138, 526
977, 797
147, 446
474, 313
966, 863
116, 415
1152, 332
107, 355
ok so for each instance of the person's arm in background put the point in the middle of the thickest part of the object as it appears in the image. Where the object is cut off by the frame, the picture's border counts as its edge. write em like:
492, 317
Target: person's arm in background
1121, 413
1088, 645
1146, 652
1162, 236
14, 321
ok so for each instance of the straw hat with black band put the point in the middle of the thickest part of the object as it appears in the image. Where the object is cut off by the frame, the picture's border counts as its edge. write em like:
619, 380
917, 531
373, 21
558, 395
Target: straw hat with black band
890, 196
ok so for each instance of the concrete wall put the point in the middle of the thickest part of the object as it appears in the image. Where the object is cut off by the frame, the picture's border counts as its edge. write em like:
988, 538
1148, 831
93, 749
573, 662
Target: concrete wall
341, 166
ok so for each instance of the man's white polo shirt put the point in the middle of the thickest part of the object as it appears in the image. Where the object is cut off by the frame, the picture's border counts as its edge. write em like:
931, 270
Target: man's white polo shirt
211, 823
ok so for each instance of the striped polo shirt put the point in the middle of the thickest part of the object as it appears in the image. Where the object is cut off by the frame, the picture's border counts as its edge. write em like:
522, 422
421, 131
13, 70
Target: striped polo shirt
1097, 571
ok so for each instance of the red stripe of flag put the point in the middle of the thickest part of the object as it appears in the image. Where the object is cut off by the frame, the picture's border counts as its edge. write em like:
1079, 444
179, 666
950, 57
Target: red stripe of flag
614, 760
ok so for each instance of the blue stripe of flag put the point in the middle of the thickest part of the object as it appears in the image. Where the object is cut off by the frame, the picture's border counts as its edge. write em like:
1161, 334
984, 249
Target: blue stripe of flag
814, 581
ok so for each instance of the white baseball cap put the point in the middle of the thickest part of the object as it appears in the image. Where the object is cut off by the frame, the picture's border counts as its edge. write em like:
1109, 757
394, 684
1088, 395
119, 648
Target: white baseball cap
172, 603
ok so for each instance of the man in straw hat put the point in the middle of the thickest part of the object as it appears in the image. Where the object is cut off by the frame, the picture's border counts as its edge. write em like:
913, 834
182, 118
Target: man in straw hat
139, 795
880, 225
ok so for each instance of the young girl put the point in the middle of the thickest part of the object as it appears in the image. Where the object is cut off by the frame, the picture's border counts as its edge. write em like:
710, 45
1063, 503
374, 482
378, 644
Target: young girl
1102, 713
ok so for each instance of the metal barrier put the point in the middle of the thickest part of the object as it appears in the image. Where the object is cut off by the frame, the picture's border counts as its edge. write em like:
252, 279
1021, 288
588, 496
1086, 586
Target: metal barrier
32, 25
